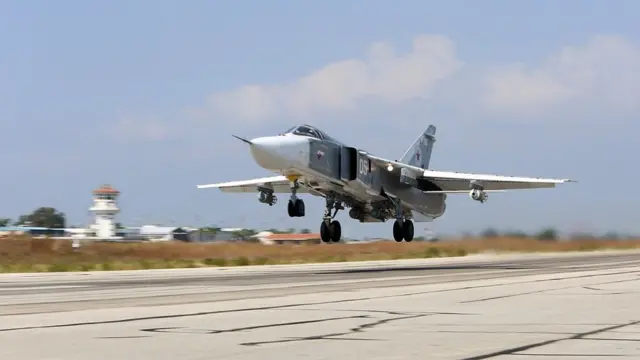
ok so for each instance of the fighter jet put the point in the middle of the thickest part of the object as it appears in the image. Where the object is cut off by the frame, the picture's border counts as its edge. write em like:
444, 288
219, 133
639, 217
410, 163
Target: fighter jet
375, 189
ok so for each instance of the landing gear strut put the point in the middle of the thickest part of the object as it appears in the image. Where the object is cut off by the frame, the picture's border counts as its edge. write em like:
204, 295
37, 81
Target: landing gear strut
295, 207
402, 228
331, 230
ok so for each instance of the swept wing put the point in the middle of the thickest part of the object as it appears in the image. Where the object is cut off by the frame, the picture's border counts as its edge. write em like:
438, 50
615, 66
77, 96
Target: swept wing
279, 184
454, 182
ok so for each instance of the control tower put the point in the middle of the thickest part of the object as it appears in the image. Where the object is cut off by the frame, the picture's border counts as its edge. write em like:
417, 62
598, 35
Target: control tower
105, 208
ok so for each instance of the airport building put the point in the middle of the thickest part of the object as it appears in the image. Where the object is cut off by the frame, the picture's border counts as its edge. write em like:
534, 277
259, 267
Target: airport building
31, 230
104, 227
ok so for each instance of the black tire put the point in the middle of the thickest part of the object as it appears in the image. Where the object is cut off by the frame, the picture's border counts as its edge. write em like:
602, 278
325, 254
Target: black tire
408, 230
398, 233
325, 234
291, 210
299, 208
335, 231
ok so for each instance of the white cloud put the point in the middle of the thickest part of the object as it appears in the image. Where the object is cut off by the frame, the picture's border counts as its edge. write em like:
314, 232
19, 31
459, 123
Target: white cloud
515, 89
600, 77
385, 75
604, 73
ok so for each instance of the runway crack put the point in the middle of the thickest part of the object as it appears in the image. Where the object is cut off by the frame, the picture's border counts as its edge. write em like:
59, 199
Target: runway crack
581, 336
546, 290
255, 327
338, 336
387, 312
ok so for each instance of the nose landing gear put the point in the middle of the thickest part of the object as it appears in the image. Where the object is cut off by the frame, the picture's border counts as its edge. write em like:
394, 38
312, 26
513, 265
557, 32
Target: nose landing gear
295, 207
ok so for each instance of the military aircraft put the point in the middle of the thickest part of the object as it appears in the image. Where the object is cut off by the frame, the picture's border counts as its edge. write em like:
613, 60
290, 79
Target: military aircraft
308, 160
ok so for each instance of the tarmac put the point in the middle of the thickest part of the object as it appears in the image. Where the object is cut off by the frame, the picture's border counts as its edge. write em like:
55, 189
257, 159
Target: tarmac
547, 306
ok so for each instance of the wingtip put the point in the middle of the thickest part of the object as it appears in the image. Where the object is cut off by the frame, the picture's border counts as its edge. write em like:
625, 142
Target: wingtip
205, 186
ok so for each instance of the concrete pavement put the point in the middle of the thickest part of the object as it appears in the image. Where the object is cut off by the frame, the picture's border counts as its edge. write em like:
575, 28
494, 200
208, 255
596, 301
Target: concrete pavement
480, 307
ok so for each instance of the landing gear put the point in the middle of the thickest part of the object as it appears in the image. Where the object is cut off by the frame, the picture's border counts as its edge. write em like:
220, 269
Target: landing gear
331, 230
403, 230
295, 207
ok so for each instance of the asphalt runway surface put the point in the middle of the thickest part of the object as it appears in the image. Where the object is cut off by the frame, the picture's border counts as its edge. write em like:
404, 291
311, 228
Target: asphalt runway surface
549, 306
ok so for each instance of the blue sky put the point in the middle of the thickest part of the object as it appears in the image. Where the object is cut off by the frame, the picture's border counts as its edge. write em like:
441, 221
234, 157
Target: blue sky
144, 95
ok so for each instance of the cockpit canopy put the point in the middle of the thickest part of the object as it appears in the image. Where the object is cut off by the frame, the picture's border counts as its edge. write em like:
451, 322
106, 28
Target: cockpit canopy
308, 130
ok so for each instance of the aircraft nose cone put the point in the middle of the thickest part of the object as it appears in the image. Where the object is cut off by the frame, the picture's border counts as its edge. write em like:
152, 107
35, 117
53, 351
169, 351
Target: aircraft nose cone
265, 152
279, 152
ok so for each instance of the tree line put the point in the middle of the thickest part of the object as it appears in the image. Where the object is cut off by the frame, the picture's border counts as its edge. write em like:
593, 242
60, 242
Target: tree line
547, 234
41, 217
49, 217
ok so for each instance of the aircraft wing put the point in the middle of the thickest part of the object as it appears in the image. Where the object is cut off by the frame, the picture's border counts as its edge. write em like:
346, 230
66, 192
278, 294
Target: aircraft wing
279, 184
454, 182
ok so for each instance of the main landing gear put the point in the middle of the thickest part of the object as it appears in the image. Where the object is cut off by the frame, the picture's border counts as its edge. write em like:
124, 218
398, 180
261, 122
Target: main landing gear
331, 230
295, 207
402, 228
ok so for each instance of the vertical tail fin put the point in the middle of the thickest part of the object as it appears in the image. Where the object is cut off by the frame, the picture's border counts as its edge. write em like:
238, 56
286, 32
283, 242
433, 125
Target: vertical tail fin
419, 154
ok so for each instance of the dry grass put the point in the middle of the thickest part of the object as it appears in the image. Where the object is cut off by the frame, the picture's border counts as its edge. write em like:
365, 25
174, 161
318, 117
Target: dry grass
24, 254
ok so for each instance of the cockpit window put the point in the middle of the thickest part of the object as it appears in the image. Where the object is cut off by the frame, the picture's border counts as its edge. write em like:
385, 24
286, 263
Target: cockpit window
307, 131
289, 130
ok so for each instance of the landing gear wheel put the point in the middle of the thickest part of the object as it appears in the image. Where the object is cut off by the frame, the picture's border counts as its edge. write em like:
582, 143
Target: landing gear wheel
325, 234
296, 208
398, 231
335, 229
299, 206
407, 230
403, 230
291, 209
330, 232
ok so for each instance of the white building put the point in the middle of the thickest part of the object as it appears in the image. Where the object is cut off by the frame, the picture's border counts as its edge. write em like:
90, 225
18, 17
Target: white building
105, 209
163, 233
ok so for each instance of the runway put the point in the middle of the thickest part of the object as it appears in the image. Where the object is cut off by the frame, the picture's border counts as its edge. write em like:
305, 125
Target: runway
548, 306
